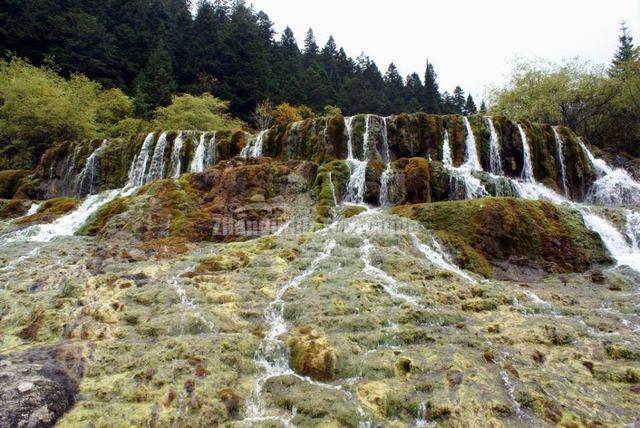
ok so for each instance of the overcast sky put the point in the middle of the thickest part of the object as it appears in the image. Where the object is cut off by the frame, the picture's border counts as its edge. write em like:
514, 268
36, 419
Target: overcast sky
470, 42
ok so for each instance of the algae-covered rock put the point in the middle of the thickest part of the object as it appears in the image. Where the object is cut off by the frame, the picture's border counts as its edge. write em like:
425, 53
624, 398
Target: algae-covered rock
311, 355
531, 233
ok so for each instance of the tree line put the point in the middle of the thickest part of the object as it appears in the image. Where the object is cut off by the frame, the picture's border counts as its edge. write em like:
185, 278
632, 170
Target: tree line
601, 103
152, 49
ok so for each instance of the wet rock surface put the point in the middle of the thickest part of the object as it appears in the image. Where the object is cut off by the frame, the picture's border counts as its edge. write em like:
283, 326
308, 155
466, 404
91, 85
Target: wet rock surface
374, 333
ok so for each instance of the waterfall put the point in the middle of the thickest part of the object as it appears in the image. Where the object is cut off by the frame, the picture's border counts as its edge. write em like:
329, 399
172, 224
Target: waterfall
176, 160
272, 352
156, 169
257, 147
447, 159
358, 168
387, 174
33, 209
210, 158
68, 181
473, 187
613, 186
421, 419
139, 164
632, 229
527, 169
66, 225
471, 160
348, 124
438, 257
86, 178
197, 163
495, 162
560, 156
620, 250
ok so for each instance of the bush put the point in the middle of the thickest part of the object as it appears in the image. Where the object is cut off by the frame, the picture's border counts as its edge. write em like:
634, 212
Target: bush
204, 112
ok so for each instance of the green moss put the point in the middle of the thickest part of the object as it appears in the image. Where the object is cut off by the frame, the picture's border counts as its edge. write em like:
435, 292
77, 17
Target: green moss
352, 210
50, 210
538, 233
97, 221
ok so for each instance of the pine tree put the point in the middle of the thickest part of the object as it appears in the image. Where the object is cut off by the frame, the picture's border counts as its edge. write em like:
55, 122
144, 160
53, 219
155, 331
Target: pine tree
394, 89
310, 45
626, 50
432, 99
288, 41
458, 100
470, 106
154, 84
483, 107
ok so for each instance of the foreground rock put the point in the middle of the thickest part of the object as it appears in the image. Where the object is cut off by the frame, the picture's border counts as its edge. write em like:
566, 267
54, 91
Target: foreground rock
38, 386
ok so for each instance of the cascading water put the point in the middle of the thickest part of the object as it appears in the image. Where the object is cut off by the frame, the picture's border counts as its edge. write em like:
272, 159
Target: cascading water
357, 180
387, 174
390, 285
176, 160
560, 157
139, 164
254, 149
632, 229
614, 241
156, 168
527, 169
438, 257
471, 160
495, 161
472, 186
613, 186
64, 226
210, 157
197, 163
272, 353
87, 176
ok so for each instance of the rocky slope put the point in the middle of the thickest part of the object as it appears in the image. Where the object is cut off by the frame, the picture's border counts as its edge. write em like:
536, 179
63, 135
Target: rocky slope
403, 271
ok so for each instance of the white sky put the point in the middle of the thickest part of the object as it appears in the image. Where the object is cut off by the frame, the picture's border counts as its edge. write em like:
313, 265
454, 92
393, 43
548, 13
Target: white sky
470, 42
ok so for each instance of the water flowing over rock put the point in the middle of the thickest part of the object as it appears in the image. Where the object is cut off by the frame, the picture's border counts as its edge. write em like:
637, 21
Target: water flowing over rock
495, 161
527, 170
176, 159
139, 165
86, 178
614, 186
156, 168
560, 158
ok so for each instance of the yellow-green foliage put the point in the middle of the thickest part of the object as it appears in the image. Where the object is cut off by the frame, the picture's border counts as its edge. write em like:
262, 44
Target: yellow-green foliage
195, 112
9, 181
497, 229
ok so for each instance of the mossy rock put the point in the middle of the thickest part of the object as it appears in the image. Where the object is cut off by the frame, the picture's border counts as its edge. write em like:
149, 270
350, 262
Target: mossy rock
10, 181
228, 260
523, 232
50, 210
311, 355
98, 220
353, 210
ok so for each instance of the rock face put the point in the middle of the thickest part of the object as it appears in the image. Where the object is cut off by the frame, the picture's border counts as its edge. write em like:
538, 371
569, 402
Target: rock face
535, 234
37, 387
68, 169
